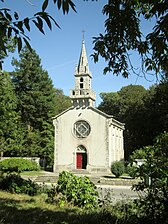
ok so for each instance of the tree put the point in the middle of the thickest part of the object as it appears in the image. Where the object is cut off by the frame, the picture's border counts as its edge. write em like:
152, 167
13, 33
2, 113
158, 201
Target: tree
144, 113
36, 103
154, 176
10, 47
159, 106
156, 111
117, 103
110, 103
10, 130
123, 35
62, 102
16, 28
127, 105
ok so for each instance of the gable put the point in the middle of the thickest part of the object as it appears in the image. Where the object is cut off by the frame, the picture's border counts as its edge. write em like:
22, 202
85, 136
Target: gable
90, 114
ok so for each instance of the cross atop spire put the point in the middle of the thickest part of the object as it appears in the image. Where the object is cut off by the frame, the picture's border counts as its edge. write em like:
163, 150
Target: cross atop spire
83, 35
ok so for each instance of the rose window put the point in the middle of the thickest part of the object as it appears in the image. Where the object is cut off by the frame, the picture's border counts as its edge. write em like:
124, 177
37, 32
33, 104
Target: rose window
81, 129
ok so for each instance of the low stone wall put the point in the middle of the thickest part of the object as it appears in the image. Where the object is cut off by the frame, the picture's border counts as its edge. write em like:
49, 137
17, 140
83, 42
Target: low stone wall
118, 181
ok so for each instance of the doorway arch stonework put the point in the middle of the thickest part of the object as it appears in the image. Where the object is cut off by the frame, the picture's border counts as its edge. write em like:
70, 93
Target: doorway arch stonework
81, 157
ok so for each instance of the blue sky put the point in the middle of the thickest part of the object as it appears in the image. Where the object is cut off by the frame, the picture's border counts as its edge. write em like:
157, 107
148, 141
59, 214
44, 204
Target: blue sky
59, 49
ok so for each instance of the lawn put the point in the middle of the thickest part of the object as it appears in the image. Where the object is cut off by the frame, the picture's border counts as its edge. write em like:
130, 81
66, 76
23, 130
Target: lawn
23, 209
32, 173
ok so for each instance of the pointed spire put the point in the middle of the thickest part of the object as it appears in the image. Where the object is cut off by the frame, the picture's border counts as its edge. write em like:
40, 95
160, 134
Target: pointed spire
83, 95
83, 66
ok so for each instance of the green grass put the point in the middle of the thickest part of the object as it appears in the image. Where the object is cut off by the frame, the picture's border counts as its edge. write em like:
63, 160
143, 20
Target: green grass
28, 173
23, 209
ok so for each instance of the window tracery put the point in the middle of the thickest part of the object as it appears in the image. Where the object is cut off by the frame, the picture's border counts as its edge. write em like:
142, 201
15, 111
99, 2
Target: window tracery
81, 129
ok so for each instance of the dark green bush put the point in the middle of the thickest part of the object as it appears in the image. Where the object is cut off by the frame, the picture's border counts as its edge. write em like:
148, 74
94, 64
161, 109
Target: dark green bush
79, 191
155, 169
132, 170
121, 212
15, 184
117, 168
18, 165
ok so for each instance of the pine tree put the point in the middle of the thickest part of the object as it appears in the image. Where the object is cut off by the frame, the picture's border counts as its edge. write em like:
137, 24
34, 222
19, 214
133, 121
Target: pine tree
10, 128
36, 103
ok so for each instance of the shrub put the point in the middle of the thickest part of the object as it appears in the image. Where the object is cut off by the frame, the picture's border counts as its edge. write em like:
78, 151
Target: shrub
138, 154
122, 212
18, 165
79, 191
117, 168
155, 204
132, 170
15, 184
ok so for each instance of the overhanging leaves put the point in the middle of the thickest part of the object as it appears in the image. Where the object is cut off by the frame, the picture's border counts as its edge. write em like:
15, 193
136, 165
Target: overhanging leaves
44, 6
64, 4
123, 34
12, 27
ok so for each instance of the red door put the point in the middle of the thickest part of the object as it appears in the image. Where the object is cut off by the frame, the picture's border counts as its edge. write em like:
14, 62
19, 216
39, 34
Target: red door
79, 160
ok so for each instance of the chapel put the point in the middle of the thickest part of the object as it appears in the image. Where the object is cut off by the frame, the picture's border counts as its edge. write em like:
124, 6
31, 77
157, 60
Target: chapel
86, 139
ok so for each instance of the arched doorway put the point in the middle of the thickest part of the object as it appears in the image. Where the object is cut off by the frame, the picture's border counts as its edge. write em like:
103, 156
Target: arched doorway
81, 157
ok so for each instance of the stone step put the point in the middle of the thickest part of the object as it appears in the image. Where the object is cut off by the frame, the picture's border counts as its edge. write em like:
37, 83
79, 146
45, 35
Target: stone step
46, 179
117, 182
78, 171
98, 180
95, 180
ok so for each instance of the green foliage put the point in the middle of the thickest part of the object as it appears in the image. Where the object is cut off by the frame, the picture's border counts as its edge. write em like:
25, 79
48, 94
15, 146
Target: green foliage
10, 48
15, 184
36, 105
132, 170
117, 168
34, 90
110, 103
123, 212
25, 209
18, 165
28, 101
155, 204
156, 110
12, 26
62, 102
139, 153
144, 113
10, 132
79, 191
127, 106
123, 35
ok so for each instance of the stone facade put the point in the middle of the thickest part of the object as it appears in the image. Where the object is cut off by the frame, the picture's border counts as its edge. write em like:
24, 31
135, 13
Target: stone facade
86, 138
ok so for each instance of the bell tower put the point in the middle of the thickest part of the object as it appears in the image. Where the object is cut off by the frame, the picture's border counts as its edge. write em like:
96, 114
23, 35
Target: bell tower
82, 95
